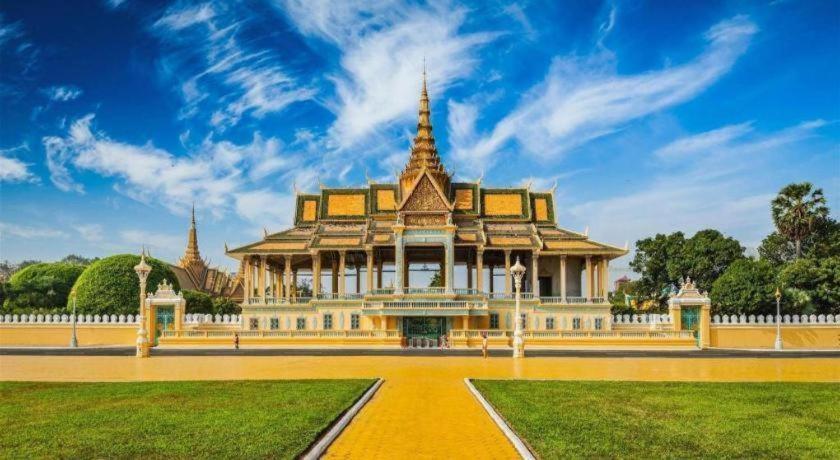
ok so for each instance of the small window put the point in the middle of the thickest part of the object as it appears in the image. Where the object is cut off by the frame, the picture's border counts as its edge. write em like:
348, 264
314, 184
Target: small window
599, 323
523, 319
301, 324
275, 324
354, 321
327, 321
549, 323
494, 320
576, 323
254, 324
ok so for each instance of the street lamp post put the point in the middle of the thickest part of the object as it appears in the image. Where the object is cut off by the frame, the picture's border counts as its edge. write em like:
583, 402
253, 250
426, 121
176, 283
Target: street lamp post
518, 271
142, 269
778, 344
74, 342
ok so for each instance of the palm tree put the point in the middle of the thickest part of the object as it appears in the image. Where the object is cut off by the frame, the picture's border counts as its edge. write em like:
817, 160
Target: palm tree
796, 210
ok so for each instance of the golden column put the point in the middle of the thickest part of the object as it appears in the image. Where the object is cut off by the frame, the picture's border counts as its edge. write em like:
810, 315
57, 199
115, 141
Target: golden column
563, 278
263, 272
369, 270
535, 279
479, 269
248, 289
589, 279
507, 272
316, 273
342, 259
287, 277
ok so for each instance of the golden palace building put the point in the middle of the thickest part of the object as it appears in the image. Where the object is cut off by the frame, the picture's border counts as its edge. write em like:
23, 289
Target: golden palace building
366, 253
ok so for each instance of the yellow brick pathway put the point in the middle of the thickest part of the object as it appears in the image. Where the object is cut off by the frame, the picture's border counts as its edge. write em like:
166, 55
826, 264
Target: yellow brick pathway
423, 410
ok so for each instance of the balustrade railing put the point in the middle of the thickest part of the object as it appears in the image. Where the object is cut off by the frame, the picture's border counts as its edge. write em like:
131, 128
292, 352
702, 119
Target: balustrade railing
574, 334
575, 299
327, 333
511, 296
424, 304
467, 291
425, 290
336, 296
381, 291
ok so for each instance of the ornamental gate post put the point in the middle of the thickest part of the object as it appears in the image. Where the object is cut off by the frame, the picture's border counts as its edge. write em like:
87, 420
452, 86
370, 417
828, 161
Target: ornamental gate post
690, 309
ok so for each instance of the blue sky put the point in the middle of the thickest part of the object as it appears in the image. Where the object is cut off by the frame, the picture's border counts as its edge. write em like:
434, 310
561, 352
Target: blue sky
648, 116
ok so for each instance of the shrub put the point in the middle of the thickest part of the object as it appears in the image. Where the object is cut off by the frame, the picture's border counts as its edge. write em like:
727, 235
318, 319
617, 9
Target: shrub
198, 302
110, 285
812, 286
41, 286
747, 287
225, 306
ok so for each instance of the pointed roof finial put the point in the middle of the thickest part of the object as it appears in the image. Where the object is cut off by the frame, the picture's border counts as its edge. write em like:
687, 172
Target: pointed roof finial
193, 214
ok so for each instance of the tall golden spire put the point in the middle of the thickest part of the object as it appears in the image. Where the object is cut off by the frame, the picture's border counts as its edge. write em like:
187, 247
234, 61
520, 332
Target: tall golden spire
191, 254
423, 150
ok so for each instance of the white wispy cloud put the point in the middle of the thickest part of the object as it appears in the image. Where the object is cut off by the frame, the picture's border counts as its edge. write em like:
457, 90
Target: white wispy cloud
154, 240
13, 169
383, 46
93, 233
213, 177
114, 4
22, 231
720, 181
739, 137
62, 93
218, 72
582, 99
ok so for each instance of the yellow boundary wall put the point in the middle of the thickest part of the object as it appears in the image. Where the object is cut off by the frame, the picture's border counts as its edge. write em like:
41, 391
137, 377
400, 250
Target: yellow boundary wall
794, 336
744, 336
58, 335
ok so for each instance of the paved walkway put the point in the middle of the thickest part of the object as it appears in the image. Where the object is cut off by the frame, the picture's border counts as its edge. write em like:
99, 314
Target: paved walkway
423, 410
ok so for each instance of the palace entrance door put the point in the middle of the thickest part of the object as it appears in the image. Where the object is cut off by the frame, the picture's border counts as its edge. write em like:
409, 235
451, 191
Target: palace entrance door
423, 331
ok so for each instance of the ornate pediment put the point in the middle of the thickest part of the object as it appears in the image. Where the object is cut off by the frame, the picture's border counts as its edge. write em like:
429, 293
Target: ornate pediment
425, 197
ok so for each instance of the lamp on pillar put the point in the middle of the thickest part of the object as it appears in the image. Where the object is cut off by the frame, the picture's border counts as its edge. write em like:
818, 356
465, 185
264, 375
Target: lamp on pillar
142, 269
74, 342
517, 271
778, 344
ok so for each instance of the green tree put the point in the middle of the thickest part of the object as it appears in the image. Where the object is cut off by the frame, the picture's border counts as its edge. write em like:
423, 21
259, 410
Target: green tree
812, 285
796, 210
41, 286
225, 306
198, 302
823, 242
110, 285
746, 287
436, 280
705, 256
653, 258
78, 260
664, 259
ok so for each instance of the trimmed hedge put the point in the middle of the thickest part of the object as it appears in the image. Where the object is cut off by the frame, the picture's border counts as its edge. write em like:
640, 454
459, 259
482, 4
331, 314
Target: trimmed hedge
110, 286
29, 289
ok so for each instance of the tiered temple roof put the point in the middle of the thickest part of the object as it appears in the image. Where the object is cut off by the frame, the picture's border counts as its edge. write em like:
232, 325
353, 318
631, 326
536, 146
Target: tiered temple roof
366, 217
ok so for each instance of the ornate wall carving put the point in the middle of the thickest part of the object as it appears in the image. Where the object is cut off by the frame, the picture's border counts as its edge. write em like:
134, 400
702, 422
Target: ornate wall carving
425, 198
497, 204
425, 219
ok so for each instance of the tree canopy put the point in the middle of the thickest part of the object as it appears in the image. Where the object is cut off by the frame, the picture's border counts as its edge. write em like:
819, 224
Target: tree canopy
41, 286
747, 286
664, 259
110, 285
797, 210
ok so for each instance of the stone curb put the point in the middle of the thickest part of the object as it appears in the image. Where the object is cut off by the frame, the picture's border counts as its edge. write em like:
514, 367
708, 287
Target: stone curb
324, 442
517, 442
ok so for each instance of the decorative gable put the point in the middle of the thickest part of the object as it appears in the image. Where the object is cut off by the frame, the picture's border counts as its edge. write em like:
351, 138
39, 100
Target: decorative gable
425, 196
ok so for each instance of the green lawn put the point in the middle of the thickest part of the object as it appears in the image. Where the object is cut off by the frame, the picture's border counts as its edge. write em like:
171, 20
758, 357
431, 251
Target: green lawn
244, 419
671, 419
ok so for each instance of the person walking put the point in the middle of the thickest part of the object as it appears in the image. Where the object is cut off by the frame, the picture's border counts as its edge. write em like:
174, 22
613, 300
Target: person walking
484, 344
235, 340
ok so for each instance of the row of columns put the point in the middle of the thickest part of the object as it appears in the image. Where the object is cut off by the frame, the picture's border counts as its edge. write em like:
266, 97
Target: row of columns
267, 278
